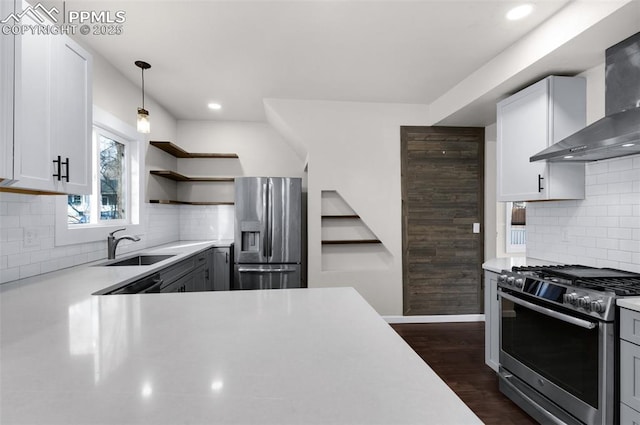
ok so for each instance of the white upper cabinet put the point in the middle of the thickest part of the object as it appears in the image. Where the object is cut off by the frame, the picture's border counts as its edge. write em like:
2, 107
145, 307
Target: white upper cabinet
530, 121
53, 115
72, 119
7, 63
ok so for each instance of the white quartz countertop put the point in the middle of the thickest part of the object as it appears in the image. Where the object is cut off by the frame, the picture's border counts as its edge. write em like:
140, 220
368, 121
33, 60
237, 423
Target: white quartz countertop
632, 303
293, 356
505, 263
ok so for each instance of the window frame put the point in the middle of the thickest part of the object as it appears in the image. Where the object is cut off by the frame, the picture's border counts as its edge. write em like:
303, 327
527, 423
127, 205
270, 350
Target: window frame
96, 184
66, 234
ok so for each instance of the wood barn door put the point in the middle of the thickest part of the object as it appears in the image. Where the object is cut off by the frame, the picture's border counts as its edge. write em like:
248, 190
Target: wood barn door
442, 198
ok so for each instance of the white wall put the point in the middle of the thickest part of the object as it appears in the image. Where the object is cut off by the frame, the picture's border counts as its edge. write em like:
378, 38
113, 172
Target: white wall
603, 230
354, 149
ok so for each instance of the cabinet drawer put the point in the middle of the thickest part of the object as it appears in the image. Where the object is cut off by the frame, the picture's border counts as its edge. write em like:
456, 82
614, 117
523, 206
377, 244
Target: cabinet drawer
171, 274
628, 416
630, 325
630, 374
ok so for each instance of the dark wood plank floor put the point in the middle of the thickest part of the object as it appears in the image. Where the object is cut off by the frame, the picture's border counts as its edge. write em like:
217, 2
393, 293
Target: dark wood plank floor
455, 351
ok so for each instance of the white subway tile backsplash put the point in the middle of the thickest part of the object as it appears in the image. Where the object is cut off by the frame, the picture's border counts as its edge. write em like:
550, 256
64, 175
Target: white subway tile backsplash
586, 221
619, 233
164, 224
622, 256
597, 189
8, 275
608, 221
597, 167
620, 210
622, 187
587, 242
630, 245
602, 230
29, 270
607, 263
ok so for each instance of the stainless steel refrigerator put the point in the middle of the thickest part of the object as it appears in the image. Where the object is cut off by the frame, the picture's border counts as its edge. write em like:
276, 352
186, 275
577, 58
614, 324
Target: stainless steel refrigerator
268, 239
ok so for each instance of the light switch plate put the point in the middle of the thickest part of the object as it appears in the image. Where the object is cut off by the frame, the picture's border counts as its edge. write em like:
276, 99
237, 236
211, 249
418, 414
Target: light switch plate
476, 227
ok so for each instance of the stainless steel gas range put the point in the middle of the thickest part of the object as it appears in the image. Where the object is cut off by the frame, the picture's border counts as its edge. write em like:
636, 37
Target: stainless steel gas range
558, 341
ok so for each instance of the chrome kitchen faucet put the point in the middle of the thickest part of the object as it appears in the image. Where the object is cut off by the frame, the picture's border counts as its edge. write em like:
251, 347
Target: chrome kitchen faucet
112, 242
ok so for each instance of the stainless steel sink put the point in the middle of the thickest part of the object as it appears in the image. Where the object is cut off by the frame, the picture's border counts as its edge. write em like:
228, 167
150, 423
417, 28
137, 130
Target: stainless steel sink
138, 260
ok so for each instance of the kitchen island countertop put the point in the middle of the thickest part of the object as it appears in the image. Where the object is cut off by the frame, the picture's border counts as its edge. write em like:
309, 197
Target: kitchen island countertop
292, 356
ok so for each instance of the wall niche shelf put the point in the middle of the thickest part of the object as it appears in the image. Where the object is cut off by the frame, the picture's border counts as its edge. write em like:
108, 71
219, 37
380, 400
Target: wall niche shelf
346, 241
351, 241
343, 216
177, 152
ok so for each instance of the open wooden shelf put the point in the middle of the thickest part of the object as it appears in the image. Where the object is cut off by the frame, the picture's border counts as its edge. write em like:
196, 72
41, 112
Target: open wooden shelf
172, 175
178, 152
171, 202
351, 242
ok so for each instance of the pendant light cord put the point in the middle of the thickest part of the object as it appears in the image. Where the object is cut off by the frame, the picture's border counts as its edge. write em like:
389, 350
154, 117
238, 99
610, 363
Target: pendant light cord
142, 88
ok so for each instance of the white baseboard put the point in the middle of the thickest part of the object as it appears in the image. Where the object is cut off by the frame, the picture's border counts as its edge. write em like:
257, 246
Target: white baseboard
442, 318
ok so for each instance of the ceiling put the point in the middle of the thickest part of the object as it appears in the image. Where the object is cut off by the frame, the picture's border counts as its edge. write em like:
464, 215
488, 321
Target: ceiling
237, 53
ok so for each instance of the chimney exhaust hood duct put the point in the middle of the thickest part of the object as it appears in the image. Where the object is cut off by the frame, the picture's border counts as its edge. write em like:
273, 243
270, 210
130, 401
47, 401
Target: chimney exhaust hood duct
618, 133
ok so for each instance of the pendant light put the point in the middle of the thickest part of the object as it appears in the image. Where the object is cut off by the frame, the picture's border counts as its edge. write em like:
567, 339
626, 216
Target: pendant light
144, 125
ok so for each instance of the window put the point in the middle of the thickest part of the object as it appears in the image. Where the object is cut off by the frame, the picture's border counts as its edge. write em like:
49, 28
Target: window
110, 204
516, 219
116, 199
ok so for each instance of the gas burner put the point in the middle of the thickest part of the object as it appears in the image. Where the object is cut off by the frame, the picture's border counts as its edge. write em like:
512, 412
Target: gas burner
618, 282
627, 286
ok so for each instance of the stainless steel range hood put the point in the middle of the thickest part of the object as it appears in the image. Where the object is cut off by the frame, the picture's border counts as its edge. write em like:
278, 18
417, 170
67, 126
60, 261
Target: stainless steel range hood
618, 133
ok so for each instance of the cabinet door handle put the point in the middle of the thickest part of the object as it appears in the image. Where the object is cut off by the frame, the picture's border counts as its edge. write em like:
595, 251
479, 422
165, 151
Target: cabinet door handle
540, 178
66, 164
58, 165
226, 257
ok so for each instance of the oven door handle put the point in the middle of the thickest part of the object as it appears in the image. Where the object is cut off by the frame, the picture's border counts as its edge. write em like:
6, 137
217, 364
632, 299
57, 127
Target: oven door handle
506, 379
548, 312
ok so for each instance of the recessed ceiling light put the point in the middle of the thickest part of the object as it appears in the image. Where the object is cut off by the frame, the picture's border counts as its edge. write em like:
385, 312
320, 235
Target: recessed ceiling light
628, 145
568, 157
214, 106
519, 12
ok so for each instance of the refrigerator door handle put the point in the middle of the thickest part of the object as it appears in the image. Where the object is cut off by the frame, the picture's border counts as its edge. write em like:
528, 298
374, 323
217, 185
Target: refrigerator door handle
265, 212
259, 270
271, 218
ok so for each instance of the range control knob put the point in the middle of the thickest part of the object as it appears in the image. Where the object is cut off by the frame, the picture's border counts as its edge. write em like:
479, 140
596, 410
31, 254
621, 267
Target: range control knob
584, 302
571, 298
510, 280
519, 283
598, 306
502, 278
